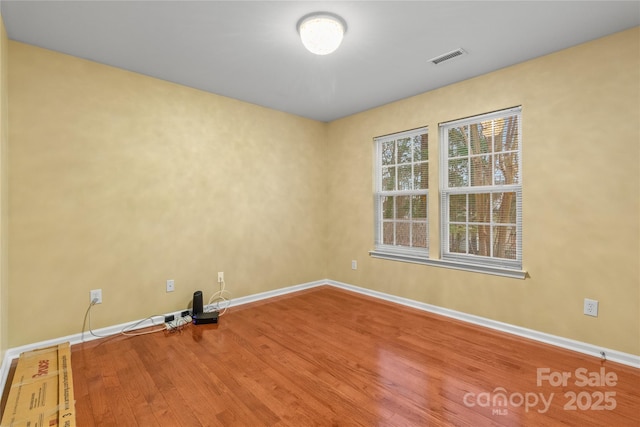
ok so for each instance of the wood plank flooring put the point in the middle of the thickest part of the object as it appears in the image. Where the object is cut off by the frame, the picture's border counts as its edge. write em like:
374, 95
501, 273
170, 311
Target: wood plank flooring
328, 357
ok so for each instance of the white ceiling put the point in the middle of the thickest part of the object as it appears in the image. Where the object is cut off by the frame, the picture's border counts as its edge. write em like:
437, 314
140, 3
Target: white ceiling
250, 50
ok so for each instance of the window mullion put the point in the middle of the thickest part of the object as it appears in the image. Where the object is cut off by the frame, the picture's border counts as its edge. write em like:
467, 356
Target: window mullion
411, 218
467, 226
394, 220
394, 198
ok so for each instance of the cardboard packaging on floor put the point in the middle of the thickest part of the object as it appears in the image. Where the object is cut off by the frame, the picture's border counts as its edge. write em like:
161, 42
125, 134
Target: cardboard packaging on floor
41, 393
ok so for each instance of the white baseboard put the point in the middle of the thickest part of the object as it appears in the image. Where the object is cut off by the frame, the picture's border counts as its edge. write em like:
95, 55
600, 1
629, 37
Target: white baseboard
14, 353
277, 292
569, 344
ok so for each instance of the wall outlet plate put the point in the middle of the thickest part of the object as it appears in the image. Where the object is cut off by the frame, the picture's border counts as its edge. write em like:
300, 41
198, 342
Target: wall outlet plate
96, 294
220, 276
590, 307
171, 286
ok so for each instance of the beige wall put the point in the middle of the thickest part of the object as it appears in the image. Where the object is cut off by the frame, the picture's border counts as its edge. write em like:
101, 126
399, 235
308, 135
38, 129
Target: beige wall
120, 181
4, 193
581, 194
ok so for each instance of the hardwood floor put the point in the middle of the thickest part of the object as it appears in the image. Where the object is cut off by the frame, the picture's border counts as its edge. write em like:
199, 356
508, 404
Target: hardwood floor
328, 357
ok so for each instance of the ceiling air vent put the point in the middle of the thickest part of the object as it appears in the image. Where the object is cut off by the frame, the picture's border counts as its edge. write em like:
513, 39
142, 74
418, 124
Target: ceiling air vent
447, 56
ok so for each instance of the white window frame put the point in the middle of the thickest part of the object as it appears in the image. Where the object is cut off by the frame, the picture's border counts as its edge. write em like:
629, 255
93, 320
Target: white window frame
396, 251
511, 268
485, 262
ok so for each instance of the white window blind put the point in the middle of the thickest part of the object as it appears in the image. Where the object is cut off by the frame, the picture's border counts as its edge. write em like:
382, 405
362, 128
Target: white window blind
401, 193
481, 189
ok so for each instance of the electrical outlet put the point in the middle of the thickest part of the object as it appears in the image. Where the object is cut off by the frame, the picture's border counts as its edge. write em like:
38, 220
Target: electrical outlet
220, 276
96, 294
590, 307
354, 265
170, 285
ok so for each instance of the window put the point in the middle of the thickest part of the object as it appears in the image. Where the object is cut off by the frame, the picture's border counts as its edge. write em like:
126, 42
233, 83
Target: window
480, 200
481, 190
401, 195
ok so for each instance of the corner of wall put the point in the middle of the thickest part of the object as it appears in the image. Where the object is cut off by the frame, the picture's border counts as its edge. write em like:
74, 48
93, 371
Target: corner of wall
4, 137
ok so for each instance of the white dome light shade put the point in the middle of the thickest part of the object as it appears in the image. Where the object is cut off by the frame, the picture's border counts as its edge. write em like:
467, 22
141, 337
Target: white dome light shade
321, 33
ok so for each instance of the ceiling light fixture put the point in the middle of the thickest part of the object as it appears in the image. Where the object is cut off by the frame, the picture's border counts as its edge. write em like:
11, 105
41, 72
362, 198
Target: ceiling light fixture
321, 32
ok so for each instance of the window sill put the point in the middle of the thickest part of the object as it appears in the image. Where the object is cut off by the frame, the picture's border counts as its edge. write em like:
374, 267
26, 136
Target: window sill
485, 269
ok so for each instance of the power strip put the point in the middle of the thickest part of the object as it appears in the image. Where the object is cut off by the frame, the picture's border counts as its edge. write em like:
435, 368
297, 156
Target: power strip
172, 324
